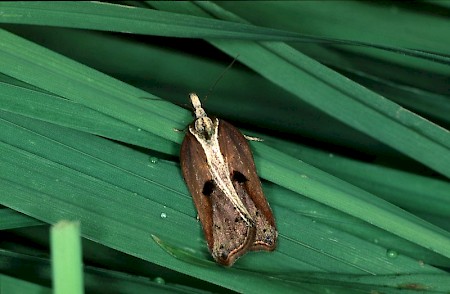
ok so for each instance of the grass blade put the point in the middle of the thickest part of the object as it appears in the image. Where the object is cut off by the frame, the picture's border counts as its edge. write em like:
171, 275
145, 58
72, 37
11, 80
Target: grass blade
66, 258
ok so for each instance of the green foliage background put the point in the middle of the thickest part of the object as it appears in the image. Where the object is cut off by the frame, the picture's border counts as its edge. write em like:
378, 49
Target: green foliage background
351, 99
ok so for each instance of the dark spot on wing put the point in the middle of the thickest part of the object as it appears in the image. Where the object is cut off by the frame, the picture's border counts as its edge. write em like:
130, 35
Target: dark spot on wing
238, 177
208, 188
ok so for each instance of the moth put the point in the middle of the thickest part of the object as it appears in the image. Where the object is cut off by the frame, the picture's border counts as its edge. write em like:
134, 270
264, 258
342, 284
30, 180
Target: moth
218, 168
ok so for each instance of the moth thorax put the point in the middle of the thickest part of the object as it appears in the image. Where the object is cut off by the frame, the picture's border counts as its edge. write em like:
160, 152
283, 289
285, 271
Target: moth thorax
204, 126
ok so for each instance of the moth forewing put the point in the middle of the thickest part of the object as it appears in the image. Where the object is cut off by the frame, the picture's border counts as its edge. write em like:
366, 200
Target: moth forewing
240, 161
220, 173
196, 175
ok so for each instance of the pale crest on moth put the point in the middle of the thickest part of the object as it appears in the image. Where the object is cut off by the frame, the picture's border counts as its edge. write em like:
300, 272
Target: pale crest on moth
219, 170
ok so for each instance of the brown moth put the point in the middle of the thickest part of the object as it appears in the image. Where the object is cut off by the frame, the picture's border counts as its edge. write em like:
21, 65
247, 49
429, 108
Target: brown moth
220, 173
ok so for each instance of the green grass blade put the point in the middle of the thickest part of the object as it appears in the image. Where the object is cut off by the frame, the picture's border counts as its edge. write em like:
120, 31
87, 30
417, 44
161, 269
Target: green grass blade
54, 109
10, 219
422, 194
119, 18
13, 285
424, 102
66, 258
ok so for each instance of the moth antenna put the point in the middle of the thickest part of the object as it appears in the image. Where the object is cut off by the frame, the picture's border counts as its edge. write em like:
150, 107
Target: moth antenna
220, 77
